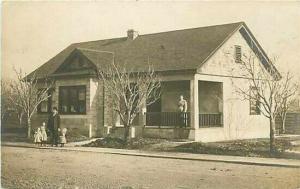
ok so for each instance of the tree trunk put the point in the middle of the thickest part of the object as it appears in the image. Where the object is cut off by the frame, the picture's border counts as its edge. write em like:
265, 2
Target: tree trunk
126, 132
28, 127
283, 123
272, 134
20, 120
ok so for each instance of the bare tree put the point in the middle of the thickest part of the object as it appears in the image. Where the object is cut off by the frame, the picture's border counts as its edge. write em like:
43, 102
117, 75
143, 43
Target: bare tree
286, 99
267, 87
27, 95
129, 91
6, 106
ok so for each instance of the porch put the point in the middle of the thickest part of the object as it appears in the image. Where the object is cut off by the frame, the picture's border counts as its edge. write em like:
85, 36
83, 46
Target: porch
204, 105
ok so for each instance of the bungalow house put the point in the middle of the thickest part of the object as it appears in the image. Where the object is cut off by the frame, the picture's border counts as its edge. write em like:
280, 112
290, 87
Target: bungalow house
199, 63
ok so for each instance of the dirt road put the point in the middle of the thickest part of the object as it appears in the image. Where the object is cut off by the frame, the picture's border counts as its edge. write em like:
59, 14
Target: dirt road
40, 168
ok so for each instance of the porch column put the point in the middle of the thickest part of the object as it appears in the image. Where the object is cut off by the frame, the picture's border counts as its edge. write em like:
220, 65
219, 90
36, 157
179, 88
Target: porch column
194, 103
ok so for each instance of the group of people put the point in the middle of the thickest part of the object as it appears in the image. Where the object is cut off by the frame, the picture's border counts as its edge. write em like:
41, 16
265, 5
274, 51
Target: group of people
56, 134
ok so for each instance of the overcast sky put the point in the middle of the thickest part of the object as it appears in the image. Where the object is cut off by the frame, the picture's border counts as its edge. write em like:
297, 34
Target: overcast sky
33, 32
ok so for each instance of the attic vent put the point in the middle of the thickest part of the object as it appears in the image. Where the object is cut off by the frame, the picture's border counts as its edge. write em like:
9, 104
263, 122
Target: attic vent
238, 53
132, 34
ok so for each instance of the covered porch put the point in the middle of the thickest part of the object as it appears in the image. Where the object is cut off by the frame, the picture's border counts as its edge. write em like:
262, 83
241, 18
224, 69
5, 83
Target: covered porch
204, 105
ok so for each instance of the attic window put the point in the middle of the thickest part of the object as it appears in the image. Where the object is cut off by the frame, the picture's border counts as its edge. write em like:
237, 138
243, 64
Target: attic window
238, 53
254, 102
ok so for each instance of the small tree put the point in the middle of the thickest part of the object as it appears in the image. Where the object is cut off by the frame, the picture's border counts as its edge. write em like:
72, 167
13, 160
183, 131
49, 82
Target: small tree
27, 95
270, 87
6, 106
129, 91
286, 100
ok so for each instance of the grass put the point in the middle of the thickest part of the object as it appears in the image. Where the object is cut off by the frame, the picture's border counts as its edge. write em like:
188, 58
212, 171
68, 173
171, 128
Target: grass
247, 148
20, 135
138, 143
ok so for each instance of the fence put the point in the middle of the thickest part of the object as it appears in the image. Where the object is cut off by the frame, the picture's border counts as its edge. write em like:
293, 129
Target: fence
181, 119
210, 120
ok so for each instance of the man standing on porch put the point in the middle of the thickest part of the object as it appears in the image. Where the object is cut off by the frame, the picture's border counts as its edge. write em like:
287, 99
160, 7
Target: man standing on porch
182, 106
54, 126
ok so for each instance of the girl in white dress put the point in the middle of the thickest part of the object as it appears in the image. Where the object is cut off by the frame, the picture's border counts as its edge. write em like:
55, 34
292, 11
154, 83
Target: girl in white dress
62, 137
38, 136
44, 134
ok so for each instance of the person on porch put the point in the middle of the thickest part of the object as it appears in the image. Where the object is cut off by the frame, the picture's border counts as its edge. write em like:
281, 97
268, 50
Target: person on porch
182, 106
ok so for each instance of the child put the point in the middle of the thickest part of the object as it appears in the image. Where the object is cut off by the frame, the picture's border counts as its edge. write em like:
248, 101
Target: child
38, 136
62, 137
44, 134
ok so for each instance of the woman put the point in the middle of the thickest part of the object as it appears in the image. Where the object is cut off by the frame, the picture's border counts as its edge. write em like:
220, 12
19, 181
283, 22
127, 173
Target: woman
182, 107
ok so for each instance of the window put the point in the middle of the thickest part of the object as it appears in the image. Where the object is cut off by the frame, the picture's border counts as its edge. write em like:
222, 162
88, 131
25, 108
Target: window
238, 54
254, 102
45, 106
72, 100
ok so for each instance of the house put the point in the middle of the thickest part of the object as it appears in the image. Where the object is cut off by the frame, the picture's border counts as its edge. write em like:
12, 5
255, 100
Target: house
199, 63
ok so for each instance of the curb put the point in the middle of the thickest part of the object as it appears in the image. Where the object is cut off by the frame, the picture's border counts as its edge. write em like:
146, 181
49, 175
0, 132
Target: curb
142, 154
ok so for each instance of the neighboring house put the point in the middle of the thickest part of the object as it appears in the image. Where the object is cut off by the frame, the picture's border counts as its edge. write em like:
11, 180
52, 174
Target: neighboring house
200, 64
292, 121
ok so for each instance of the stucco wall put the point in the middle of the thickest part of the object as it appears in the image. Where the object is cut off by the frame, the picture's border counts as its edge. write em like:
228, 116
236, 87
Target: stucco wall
238, 123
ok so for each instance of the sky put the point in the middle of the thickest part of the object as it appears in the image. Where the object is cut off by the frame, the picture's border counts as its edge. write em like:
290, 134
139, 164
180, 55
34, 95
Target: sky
34, 32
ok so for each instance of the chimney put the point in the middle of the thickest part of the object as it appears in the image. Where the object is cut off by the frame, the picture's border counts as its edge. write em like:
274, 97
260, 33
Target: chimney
131, 34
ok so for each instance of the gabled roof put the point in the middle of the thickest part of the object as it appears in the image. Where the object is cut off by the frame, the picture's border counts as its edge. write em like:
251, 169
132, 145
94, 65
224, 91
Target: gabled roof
167, 51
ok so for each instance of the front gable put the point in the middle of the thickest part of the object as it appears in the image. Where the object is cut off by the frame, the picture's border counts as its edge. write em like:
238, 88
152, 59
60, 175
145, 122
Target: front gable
222, 62
76, 62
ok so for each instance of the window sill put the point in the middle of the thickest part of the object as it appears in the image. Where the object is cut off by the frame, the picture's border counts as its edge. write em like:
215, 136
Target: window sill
73, 116
211, 126
43, 113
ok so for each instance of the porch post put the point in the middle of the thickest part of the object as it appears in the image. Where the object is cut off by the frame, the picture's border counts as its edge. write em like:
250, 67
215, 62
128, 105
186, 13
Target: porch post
194, 103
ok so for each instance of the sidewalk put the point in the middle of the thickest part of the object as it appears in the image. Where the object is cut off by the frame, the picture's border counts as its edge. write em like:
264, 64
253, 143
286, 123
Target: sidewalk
171, 155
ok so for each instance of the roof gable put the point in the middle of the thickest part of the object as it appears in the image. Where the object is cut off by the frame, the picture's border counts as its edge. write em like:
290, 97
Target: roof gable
74, 62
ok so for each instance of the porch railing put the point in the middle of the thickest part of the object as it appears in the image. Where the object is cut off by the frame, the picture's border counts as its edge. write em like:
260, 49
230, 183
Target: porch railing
211, 120
180, 119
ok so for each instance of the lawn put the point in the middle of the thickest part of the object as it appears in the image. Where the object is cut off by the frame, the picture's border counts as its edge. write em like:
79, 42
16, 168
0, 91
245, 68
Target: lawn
20, 135
248, 148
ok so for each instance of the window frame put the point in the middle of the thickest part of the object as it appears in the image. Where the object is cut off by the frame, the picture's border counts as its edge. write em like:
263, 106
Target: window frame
257, 105
49, 102
238, 59
69, 88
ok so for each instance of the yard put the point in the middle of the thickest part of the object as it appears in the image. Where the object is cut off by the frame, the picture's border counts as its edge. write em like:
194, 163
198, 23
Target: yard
249, 148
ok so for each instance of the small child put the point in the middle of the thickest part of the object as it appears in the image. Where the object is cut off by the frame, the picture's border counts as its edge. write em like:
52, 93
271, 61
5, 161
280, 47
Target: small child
38, 136
62, 137
44, 134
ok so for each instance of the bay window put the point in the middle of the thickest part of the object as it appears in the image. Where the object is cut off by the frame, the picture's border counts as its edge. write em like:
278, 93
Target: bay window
72, 99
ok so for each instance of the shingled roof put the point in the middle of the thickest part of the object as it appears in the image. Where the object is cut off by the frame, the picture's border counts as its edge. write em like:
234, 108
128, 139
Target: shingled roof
167, 51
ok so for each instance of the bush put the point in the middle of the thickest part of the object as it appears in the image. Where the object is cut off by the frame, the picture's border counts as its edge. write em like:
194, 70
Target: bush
110, 142
75, 135
256, 148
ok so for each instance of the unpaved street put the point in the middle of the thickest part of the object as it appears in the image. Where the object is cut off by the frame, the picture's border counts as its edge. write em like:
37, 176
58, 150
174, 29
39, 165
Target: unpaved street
40, 168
